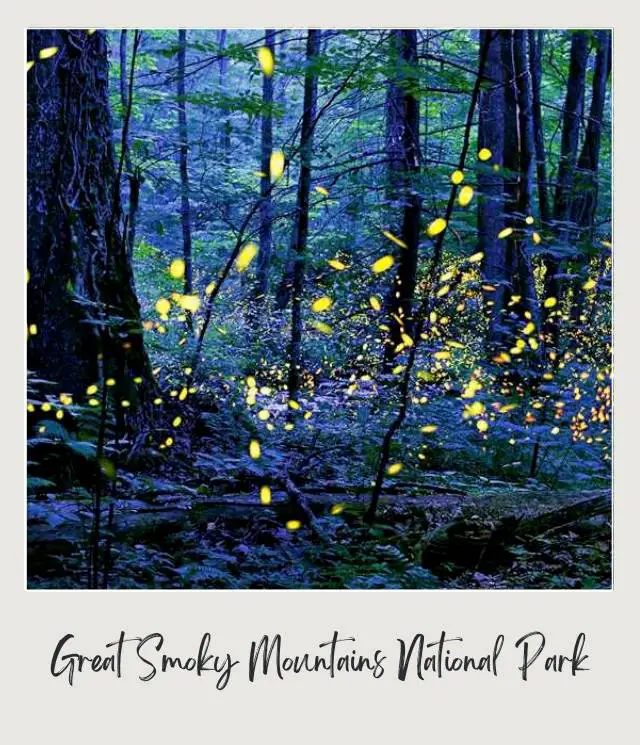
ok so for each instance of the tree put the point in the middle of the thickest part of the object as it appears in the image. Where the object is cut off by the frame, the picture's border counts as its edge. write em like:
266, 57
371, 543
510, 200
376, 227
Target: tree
491, 187
266, 146
518, 162
585, 200
403, 151
81, 296
301, 222
134, 175
185, 206
571, 121
536, 40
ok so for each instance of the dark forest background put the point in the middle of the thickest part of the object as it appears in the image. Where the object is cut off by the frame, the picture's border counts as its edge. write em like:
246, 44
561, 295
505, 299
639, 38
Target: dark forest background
319, 308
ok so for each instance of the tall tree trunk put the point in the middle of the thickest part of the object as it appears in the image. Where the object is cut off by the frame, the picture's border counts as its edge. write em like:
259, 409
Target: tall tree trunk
185, 206
78, 263
518, 161
223, 66
536, 40
134, 176
403, 150
585, 200
266, 146
491, 187
572, 118
301, 229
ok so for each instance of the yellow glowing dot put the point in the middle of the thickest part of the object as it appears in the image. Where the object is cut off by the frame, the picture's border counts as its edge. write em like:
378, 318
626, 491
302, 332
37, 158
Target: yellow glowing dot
505, 233
59, 414
457, 177
336, 509
529, 220
436, 227
177, 421
189, 302
466, 195
254, 449
293, 524
263, 415
92, 389
265, 494
163, 306
550, 302
47, 52
94, 402
382, 264
33, 329
246, 256
394, 468
482, 425
321, 304
276, 164
110, 382
336, 264
157, 401
265, 58
176, 269
484, 154
394, 239
536, 238
46, 406
125, 404
31, 408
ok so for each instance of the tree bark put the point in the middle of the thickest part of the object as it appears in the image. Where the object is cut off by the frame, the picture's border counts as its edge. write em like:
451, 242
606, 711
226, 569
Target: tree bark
266, 207
403, 150
301, 228
185, 205
490, 203
518, 161
586, 197
134, 176
572, 118
536, 40
80, 275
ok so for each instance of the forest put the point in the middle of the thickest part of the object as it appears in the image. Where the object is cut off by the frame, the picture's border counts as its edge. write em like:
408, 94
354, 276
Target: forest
318, 308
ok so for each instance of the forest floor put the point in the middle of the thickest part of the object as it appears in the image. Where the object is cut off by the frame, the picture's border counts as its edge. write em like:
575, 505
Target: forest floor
196, 521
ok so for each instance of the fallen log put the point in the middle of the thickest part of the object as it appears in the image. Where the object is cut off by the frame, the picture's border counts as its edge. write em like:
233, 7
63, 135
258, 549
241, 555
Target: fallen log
478, 543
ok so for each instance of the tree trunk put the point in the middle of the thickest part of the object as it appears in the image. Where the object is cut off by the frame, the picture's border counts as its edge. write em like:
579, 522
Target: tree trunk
80, 275
536, 39
518, 162
134, 176
572, 117
586, 182
491, 188
185, 206
225, 123
301, 229
403, 150
266, 208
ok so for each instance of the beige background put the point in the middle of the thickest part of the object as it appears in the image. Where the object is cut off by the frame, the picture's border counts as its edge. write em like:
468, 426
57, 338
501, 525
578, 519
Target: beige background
590, 708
